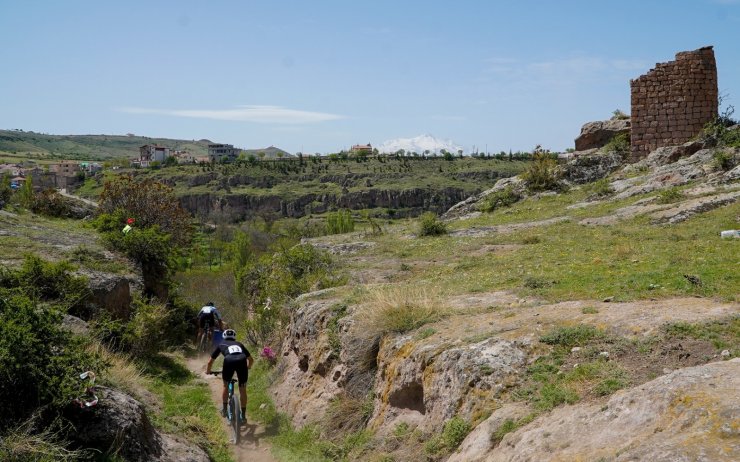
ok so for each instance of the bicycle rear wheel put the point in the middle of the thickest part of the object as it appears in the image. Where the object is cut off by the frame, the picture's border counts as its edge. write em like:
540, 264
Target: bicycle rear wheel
235, 410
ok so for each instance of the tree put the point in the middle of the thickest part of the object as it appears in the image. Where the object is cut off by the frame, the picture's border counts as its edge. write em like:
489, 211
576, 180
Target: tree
149, 203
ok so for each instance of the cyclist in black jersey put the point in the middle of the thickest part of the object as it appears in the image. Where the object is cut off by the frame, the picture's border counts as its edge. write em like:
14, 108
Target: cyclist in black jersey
236, 359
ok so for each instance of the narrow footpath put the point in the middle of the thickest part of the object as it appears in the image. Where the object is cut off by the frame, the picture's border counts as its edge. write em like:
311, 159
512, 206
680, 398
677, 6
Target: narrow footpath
252, 446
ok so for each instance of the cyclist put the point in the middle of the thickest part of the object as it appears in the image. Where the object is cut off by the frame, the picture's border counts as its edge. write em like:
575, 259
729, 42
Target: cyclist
236, 359
209, 314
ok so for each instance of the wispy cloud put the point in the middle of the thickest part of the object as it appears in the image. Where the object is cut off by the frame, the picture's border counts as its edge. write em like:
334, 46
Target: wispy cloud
570, 69
257, 114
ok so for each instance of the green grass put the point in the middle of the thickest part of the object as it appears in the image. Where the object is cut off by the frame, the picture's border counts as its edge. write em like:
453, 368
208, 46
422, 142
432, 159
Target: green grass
572, 336
187, 407
626, 261
723, 334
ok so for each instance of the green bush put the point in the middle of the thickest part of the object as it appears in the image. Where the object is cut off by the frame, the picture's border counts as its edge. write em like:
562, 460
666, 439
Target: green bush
669, 195
599, 188
572, 336
47, 282
340, 222
431, 225
543, 173
502, 198
5, 190
50, 203
724, 160
270, 282
619, 143
454, 432
40, 362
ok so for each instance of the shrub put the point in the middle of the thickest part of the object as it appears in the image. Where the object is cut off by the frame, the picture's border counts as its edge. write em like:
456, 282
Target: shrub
5, 190
150, 203
543, 173
40, 362
502, 198
571, 336
270, 282
717, 132
340, 222
47, 282
431, 225
669, 195
599, 188
454, 432
724, 160
398, 309
619, 143
50, 203
618, 114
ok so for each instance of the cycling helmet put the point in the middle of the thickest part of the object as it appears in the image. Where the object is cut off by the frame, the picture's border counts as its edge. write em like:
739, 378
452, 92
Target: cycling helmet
229, 334
210, 304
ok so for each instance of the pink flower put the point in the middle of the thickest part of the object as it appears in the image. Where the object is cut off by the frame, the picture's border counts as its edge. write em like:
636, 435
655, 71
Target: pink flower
268, 354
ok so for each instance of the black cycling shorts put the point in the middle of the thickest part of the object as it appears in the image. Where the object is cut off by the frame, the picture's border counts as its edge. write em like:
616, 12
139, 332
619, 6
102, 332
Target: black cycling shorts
235, 365
206, 317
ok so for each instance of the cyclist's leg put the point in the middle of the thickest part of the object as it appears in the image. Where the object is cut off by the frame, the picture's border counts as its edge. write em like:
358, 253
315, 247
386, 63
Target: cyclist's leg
226, 374
242, 373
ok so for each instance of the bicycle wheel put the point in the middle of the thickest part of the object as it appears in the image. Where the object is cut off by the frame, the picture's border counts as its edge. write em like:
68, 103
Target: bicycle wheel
235, 409
202, 346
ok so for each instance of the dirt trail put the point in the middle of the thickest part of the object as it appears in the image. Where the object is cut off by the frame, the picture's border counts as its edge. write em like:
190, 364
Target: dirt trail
252, 446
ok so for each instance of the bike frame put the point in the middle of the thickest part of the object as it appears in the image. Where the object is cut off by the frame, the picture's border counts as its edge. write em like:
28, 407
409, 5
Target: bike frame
233, 408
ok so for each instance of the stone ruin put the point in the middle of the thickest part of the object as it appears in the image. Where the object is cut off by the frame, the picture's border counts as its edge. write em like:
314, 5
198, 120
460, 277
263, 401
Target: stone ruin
672, 103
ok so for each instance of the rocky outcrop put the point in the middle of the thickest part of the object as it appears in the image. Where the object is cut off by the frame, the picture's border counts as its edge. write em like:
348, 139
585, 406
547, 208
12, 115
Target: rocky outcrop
589, 166
690, 414
406, 202
119, 425
111, 293
699, 166
428, 384
597, 134
470, 204
669, 154
311, 373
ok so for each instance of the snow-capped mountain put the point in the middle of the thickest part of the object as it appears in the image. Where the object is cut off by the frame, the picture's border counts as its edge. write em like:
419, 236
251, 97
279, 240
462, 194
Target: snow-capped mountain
418, 144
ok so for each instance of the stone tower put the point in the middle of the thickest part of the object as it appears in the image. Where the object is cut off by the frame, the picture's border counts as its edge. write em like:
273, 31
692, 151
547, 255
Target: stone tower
673, 102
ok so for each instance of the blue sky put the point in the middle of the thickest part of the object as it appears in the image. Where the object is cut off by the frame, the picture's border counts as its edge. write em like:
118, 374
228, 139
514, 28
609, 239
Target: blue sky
319, 76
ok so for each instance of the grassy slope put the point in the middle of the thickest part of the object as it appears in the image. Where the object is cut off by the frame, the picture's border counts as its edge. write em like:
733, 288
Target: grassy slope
42, 146
329, 177
567, 261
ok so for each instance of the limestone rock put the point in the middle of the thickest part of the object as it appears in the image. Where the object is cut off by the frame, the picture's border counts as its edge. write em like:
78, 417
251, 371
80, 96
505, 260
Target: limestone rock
690, 414
589, 166
432, 383
470, 205
597, 134
119, 424
479, 443
310, 371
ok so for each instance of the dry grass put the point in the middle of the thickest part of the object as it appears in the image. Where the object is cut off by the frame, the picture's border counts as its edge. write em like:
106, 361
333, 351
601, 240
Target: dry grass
398, 309
27, 444
122, 374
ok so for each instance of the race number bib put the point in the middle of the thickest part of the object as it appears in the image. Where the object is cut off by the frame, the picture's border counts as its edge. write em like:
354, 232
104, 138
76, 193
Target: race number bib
234, 349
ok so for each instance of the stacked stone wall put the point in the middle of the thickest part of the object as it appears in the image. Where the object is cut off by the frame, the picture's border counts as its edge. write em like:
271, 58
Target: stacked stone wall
673, 102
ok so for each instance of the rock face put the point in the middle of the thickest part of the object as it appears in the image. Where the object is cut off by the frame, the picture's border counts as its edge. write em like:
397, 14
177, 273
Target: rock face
597, 134
699, 166
110, 293
689, 415
429, 384
590, 166
119, 424
470, 204
408, 202
311, 372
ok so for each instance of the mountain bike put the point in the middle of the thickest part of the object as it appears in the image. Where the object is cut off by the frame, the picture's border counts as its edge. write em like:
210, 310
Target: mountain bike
206, 338
233, 409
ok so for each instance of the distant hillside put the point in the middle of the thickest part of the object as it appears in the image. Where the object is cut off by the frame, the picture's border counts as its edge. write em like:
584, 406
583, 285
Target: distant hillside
270, 153
89, 146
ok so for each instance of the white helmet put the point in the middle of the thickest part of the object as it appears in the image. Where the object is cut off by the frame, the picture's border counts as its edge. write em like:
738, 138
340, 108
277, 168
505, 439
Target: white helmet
229, 334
